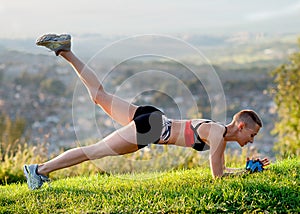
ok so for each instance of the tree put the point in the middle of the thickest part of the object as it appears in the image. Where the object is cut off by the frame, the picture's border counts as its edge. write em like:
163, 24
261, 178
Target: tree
287, 99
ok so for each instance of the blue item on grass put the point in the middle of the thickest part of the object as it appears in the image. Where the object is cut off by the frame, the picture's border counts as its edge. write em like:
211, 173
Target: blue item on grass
254, 166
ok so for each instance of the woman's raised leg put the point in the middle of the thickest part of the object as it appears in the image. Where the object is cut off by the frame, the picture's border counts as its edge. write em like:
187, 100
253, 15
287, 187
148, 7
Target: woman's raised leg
118, 109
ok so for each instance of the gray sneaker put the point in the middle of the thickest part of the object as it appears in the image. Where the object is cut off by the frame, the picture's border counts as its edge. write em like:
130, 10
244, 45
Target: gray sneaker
56, 43
34, 180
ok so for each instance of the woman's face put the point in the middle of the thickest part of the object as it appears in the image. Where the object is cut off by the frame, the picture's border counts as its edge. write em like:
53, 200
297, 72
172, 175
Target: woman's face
246, 135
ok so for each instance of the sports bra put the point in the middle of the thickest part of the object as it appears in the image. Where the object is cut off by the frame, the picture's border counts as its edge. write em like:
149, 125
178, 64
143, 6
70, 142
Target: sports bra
193, 139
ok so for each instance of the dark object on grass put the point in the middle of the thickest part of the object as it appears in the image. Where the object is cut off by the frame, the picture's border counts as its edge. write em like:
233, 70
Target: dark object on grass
254, 166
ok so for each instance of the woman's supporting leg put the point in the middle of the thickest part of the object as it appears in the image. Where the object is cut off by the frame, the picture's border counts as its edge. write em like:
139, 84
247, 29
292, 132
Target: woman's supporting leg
120, 142
117, 108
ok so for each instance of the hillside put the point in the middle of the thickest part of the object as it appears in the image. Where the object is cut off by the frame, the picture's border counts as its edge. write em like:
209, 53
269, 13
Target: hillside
47, 95
276, 190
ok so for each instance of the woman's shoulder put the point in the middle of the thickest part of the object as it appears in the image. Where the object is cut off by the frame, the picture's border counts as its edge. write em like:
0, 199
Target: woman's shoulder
208, 126
197, 122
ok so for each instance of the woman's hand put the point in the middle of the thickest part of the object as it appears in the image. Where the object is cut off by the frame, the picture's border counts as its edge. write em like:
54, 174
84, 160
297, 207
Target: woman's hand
264, 161
256, 165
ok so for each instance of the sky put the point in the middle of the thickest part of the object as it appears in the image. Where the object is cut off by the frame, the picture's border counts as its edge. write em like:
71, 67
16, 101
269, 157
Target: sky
30, 18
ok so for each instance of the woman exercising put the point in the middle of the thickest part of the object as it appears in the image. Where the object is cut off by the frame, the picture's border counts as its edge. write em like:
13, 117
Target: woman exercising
142, 125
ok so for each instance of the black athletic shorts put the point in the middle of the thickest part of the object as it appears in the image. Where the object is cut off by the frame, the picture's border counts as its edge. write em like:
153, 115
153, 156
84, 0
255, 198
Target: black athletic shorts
148, 122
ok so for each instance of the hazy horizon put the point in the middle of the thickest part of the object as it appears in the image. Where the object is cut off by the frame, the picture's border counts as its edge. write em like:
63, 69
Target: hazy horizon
27, 19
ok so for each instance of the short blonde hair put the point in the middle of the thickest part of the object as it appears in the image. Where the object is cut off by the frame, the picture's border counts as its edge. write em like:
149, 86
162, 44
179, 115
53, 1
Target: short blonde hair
249, 117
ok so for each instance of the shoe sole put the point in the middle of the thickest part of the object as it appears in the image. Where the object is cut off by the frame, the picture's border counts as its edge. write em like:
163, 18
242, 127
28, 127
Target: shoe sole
64, 42
26, 171
27, 175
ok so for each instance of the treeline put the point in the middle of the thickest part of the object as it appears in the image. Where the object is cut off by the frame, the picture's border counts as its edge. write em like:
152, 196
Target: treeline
287, 98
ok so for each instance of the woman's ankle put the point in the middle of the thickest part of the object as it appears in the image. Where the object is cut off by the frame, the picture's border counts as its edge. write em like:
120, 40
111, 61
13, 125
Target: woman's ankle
41, 170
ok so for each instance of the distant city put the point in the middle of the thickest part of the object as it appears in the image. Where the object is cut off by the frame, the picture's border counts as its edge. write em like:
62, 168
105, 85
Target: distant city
242, 61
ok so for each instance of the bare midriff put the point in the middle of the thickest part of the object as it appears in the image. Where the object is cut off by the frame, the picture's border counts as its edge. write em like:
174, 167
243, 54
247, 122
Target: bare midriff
177, 133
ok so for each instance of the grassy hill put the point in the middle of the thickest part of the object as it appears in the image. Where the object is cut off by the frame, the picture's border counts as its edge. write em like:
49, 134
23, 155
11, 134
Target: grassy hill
182, 191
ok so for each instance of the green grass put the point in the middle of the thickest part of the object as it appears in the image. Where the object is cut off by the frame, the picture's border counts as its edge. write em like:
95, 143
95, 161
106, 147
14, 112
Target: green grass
183, 191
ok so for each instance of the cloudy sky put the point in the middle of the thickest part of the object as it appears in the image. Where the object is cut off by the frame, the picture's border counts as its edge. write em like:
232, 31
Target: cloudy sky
29, 18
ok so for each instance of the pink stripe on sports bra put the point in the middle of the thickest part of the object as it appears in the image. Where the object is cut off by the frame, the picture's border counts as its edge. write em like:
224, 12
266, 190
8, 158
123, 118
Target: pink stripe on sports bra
188, 134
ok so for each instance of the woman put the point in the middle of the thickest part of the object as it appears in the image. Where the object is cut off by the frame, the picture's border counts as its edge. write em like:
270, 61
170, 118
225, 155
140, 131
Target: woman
142, 125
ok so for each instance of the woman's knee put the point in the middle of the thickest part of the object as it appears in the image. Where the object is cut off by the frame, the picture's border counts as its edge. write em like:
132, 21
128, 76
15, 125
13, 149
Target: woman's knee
97, 95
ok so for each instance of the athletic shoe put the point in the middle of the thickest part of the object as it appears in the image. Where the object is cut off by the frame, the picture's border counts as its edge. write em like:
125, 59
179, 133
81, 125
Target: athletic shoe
34, 180
56, 43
